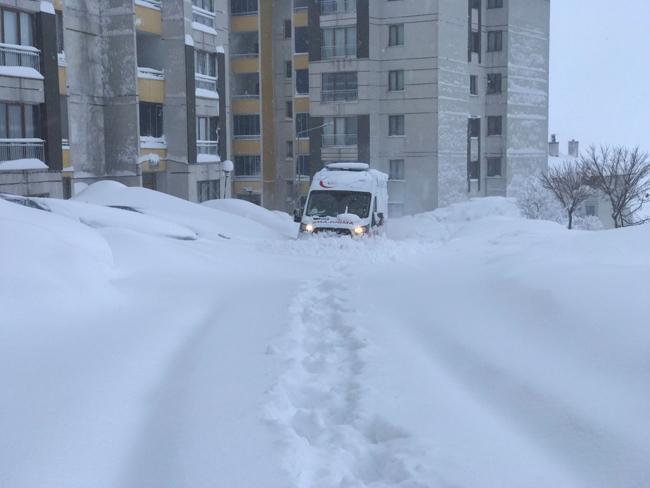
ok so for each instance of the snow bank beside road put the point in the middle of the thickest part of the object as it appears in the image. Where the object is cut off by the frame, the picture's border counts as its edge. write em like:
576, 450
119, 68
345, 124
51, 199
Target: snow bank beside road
279, 223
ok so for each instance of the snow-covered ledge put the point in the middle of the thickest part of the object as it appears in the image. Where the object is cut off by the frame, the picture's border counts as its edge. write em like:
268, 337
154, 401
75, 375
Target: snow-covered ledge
150, 73
149, 142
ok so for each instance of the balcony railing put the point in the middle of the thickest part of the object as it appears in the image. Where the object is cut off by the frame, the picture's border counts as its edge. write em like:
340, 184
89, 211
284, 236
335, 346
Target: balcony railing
25, 56
205, 82
12, 149
340, 139
339, 95
207, 147
328, 52
330, 7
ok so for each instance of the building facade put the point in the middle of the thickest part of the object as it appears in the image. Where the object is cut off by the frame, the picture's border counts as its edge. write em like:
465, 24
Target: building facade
129, 90
449, 97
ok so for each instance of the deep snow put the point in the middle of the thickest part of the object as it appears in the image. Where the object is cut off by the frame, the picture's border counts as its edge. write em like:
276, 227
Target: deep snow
167, 344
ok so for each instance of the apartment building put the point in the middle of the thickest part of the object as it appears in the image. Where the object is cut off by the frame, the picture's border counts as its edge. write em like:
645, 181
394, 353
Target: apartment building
448, 97
129, 90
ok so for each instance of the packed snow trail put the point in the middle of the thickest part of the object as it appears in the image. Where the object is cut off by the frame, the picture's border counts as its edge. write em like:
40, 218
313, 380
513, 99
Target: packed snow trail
317, 406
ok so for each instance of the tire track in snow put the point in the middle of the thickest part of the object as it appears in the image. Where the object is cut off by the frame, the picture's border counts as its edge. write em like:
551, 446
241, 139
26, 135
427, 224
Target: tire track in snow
329, 440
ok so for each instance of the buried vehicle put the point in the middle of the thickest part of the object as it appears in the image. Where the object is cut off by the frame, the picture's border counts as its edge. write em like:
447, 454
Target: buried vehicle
345, 198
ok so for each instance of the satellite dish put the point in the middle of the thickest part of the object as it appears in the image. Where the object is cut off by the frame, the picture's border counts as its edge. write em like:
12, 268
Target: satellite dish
228, 166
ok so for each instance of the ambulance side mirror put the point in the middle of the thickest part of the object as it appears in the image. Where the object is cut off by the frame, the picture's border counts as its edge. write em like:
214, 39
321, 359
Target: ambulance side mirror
297, 215
380, 218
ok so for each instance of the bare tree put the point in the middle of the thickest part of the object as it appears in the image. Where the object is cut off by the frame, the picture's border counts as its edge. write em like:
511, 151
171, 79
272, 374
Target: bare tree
623, 176
567, 184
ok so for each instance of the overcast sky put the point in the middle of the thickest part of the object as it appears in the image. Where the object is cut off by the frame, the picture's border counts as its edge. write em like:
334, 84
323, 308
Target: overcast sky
600, 71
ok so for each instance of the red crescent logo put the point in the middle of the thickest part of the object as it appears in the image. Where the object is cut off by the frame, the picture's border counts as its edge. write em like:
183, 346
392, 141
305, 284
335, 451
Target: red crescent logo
323, 185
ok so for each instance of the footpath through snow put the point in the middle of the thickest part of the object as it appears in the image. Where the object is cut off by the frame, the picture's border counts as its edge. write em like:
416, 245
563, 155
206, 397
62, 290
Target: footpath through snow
149, 342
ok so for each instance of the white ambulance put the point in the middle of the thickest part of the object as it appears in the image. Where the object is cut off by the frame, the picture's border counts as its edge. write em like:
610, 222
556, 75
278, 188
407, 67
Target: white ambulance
345, 198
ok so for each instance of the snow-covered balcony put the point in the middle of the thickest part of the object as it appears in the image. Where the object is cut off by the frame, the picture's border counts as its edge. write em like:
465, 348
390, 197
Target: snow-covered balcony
23, 61
151, 85
203, 20
29, 149
337, 7
206, 86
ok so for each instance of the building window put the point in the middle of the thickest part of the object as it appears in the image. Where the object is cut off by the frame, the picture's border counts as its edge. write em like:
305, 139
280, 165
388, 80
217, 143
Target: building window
302, 82
340, 131
289, 149
302, 40
396, 170
475, 127
246, 126
473, 85
302, 165
289, 109
248, 166
494, 83
206, 128
338, 42
208, 190
205, 63
396, 80
151, 119
494, 167
495, 123
396, 125
396, 35
287, 28
17, 28
495, 4
246, 85
59, 31
495, 41
245, 43
339, 87
302, 125
475, 42
329, 7
288, 69
18, 121
204, 4
242, 7
591, 210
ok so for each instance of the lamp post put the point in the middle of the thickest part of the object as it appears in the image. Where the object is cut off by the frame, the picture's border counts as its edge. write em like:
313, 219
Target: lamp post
228, 168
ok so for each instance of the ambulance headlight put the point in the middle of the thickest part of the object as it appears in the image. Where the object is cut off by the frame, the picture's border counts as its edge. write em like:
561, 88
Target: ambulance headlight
308, 227
359, 230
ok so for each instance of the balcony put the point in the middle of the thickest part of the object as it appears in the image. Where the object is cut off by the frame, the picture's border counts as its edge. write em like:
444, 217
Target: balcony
333, 7
206, 86
340, 140
349, 95
330, 52
12, 149
203, 20
20, 56
207, 152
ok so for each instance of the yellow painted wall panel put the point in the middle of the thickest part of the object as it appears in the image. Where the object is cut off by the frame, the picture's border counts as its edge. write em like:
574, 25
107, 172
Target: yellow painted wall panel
151, 90
244, 23
245, 65
301, 104
301, 61
148, 20
66, 158
246, 106
300, 19
247, 147
63, 81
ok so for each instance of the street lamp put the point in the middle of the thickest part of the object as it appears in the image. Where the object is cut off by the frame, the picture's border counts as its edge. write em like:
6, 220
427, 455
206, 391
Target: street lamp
228, 168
